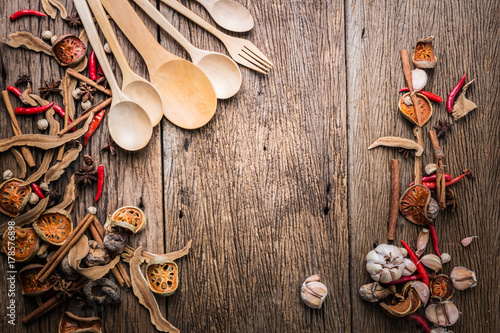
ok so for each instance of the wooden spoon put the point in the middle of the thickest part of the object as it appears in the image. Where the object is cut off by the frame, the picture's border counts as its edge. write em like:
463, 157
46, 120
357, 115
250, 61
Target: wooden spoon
189, 98
129, 124
229, 14
134, 86
221, 70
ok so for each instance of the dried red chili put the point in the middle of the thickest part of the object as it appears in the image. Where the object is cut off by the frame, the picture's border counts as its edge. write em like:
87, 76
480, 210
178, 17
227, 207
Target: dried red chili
93, 126
100, 182
432, 178
26, 12
429, 95
404, 279
420, 267
420, 321
92, 66
432, 184
434, 239
15, 91
37, 190
33, 110
453, 94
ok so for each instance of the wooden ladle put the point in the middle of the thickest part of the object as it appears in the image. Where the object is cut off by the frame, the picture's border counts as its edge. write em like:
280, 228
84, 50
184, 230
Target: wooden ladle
129, 124
221, 70
189, 98
229, 14
134, 86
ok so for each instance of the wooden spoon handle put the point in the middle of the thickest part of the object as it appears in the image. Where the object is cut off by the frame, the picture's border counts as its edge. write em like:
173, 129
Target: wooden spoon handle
137, 33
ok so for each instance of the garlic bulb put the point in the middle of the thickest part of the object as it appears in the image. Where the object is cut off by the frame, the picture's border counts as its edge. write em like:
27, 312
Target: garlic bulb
418, 79
313, 292
463, 278
385, 263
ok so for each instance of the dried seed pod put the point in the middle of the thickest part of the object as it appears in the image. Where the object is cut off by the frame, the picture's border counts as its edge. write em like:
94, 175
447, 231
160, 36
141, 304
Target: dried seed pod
410, 267
423, 55
431, 261
47, 35
44, 187
466, 241
13, 197
54, 228
445, 257
162, 275
374, 292
422, 240
68, 50
25, 243
430, 169
75, 324
102, 292
313, 292
424, 107
441, 288
413, 204
8, 174
30, 285
97, 256
68, 272
114, 242
92, 210
432, 209
42, 124
34, 199
442, 314
463, 278
385, 263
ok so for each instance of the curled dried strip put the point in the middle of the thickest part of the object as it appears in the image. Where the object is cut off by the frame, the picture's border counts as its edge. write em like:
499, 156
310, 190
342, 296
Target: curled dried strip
145, 295
394, 141
147, 256
47, 158
69, 197
49, 9
26, 39
57, 170
21, 163
60, 6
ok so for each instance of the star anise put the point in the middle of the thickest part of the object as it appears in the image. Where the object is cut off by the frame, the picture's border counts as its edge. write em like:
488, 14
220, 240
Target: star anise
407, 152
54, 198
65, 289
110, 146
87, 174
450, 199
50, 88
443, 128
86, 92
22, 79
102, 81
73, 20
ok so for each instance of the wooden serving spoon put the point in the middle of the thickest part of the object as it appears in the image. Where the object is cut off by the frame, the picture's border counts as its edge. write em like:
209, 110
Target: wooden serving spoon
221, 70
129, 124
134, 86
229, 14
189, 98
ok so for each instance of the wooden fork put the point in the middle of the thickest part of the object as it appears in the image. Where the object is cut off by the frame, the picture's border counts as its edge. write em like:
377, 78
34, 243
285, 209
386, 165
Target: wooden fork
241, 50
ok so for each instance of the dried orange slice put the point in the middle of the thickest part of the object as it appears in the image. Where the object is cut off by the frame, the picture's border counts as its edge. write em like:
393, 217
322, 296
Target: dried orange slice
162, 275
13, 198
68, 49
71, 323
424, 107
20, 244
413, 204
423, 55
29, 283
130, 218
54, 228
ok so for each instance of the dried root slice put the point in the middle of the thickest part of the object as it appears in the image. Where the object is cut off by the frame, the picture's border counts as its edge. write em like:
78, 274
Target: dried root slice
128, 253
130, 218
30, 285
163, 276
413, 204
54, 228
423, 55
13, 197
26, 39
394, 141
25, 242
424, 107
60, 6
71, 323
68, 50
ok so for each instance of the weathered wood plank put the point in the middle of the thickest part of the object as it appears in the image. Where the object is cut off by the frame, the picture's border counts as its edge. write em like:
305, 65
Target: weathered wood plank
466, 41
261, 189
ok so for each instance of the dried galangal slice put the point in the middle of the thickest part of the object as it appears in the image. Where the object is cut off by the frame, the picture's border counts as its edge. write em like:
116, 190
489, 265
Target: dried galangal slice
20, 244
13, 197
424, 108
54, 228
413, 204
130, 218
29, 283
423, 55
68, 50
71, 323
163, 276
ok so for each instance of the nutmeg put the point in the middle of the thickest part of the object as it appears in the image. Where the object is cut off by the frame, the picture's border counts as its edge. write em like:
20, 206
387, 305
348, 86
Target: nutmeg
42, 124
313, 292
8, 174
86, 105
46, 35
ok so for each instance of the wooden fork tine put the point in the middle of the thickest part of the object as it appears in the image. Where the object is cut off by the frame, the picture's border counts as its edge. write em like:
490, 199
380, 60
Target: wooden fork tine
253, 49
250, 63
255, 58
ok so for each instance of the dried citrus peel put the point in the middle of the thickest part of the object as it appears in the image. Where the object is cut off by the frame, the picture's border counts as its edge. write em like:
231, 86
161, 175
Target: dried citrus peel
75, 324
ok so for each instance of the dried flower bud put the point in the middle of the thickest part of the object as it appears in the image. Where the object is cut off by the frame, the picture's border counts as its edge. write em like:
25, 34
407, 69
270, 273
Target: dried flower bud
46, 35
431, 261
466, 241
53, 39
442, 314
374, 292
92, 210
107, 48
445, 257
8, 174
422, 240
86, 105
42, 124
463, 278
313, 292
403, 251
44, 187
430, 169
410, 267
76, 94
34, 198
407, 101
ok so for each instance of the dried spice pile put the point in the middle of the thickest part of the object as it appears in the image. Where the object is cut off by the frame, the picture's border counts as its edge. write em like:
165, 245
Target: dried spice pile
408, 284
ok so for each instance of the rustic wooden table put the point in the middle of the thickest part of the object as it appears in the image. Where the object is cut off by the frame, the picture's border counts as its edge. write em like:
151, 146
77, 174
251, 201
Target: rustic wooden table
280, 184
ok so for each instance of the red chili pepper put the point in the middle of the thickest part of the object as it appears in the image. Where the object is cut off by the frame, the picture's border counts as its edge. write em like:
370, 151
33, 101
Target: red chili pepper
99, 71
15, 91
420, 267
60, 111
429, 95
37, 190
404, 279
93, 126
420, 321
26, 12
432, 185
432, 178
453, 94
92, 66
434, 238
33, 110
100, 182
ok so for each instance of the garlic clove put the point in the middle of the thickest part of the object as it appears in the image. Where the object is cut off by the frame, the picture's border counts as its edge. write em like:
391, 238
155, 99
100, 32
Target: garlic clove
385, 276
422, 240
33, 199
410, 267
422, 290
403, 251
430, 169
466, 241
452, 313
418, 78
313, 293
7, 174
431, 261
395, 273
445, 257
463, 278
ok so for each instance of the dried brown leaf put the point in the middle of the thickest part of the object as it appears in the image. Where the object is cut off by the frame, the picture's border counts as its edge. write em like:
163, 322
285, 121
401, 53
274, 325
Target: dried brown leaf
463, 105
26, 39
21, 163
58, 169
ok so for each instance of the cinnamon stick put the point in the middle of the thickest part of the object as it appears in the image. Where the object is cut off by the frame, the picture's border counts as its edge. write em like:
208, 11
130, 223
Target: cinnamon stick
394, 203
417, 131
56, 259
88, 81
85, 115
405, 60
17, 130
440, 178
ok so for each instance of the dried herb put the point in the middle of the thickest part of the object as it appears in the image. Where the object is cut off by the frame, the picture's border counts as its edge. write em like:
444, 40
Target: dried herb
86, 92
73, 20
443, 128
64, 288
87, 174
26, 39
394, 141
52, 87
102, 81
407, 152
22, 80
110, 146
